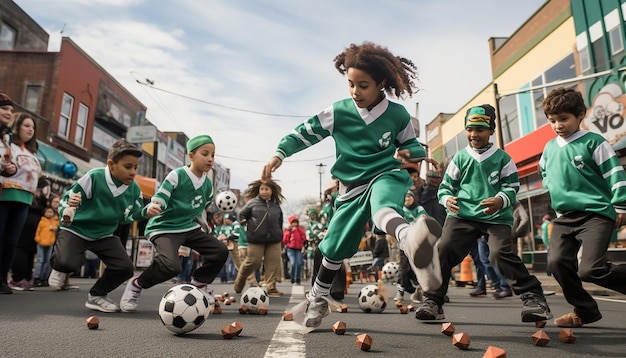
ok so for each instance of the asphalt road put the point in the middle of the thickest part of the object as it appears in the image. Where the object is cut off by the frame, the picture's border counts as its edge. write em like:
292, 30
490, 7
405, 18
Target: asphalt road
43, 323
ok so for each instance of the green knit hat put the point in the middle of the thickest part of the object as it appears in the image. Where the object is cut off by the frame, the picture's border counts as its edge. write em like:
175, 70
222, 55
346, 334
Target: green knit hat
198, 141
481, 116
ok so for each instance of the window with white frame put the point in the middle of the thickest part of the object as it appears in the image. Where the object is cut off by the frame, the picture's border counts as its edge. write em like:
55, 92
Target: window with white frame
7, 37
81, 124
615, 37
65, 118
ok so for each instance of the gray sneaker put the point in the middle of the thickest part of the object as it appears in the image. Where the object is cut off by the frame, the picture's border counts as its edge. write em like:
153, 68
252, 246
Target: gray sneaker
535, 308
101, 303
429, 311
57, 280
315, 311
130, 298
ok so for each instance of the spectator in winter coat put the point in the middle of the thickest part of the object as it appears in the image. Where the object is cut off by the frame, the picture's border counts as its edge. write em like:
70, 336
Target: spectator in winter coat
293, 239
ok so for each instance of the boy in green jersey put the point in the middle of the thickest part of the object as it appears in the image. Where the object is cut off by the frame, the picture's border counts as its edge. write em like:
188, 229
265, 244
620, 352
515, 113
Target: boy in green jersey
91, 211
478, 189
183, 197
587, 188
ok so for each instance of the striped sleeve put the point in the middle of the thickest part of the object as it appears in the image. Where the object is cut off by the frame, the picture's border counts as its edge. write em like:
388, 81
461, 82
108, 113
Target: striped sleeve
613, 173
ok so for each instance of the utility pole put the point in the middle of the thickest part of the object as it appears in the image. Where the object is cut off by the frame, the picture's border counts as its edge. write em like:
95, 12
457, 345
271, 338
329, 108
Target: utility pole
320, 171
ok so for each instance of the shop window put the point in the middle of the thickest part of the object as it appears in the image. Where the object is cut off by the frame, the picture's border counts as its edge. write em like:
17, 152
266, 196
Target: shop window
616, 40
7, 37
509, 119
538, 97
65, 118
585, 62
81, 124
599, 56
31, 102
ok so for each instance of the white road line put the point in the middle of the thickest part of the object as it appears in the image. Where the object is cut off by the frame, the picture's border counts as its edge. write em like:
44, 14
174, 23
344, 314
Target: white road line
288, 340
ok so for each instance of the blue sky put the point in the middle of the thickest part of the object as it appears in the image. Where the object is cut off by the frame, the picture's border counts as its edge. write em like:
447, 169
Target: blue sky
276, 57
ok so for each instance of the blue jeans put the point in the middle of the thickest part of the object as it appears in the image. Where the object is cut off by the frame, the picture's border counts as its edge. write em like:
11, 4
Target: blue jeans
480, 255
187, 264
296, 261
42, 266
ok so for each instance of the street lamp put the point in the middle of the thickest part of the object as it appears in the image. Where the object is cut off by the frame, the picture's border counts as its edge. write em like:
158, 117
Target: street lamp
320, 171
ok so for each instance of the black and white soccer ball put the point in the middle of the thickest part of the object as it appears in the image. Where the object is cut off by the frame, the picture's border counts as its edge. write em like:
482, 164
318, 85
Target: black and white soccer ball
254, 297
183, 308
370, 301
391, 271
226, 201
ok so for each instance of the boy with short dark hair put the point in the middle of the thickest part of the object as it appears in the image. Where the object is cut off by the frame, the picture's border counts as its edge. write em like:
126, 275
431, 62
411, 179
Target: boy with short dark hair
183, 197
91, 210
581, 164
478, 189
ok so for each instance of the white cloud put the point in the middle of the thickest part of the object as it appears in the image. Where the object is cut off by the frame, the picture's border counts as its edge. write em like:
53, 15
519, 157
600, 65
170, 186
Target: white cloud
276, 57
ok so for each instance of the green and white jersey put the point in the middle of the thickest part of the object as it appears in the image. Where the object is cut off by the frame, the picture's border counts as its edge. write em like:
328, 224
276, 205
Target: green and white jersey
411, 215
232, 231
182, 196
473, 177
365, 141
582, 173
106, 203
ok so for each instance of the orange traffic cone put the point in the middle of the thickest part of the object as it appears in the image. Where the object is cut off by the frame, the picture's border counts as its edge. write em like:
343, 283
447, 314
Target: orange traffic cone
467, 274
348, 279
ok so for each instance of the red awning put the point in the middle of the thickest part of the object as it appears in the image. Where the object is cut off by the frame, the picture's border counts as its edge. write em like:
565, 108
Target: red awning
528, 169
147, 185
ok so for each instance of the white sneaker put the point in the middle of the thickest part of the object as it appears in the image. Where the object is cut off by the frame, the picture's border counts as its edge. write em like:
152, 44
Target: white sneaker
315, 311
399, 296
130, 298
101, 303
420, 247
57, 280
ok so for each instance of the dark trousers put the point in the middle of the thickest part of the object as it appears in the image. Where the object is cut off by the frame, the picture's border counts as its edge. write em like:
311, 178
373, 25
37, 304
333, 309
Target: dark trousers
166, 264
593, 232
338, 287
407, 276
68, 255
456, 240
12, 219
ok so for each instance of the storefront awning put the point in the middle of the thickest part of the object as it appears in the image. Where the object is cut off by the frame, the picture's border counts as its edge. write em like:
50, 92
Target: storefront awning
82, 166
148, 185
531, 193
51, 159
528, 169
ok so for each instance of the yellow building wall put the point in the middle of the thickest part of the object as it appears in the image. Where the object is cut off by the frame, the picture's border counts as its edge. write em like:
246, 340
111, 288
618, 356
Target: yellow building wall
548, 52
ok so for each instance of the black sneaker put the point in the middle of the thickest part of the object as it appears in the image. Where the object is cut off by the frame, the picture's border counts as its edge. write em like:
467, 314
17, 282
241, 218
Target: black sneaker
535, 308
429, 311
5, 289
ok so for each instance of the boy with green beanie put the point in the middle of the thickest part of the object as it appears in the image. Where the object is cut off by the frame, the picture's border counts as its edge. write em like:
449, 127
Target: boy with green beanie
479, 189
183, 197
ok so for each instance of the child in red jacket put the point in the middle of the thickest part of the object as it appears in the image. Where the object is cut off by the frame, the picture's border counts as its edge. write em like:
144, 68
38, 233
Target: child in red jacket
293, 239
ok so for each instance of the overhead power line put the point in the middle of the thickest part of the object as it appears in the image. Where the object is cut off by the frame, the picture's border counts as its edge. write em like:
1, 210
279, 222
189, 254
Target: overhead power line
148, 84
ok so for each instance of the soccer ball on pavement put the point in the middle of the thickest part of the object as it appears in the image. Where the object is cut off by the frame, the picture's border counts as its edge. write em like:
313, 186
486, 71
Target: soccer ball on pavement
370, 301
254, 297
183, 308
391, 270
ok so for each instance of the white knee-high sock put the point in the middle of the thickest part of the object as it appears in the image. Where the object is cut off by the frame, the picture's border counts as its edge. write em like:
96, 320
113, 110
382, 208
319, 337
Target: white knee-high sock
391, 222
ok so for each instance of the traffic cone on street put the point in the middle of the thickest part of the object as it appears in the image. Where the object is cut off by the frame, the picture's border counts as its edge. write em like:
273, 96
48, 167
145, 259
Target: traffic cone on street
467, 274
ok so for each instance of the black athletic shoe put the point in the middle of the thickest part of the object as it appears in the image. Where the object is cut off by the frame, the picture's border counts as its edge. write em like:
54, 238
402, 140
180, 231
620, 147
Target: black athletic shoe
535, 308
429, 311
